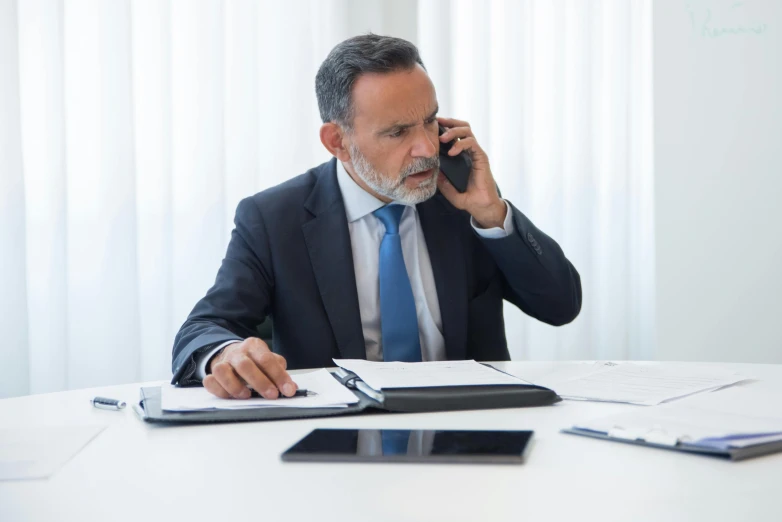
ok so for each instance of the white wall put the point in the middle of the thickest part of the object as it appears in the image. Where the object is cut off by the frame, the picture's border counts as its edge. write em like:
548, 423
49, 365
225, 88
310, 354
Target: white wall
718, 179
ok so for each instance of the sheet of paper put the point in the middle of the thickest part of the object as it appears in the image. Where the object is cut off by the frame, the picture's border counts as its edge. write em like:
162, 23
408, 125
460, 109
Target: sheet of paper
734, 417
740, 441
329, 394
379, 375
571, 370
646, 384
32, 453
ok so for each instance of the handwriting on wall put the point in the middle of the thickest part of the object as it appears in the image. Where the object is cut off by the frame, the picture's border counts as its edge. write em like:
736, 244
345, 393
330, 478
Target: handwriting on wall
727, 18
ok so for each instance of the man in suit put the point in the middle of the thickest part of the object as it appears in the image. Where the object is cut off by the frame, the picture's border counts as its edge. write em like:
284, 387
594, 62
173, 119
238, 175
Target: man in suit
374, 254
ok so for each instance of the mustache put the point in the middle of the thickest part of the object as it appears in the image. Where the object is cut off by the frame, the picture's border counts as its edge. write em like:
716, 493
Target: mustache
420, 165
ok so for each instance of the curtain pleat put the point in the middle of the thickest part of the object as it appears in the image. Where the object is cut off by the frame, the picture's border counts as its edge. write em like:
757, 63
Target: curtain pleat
15, 361
559, 94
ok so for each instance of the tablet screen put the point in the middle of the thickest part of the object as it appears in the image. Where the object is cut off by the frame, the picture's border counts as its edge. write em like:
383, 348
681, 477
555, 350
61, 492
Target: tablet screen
410, 446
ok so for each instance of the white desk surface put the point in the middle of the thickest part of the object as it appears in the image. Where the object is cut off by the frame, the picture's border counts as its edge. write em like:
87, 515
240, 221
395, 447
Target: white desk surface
232, 472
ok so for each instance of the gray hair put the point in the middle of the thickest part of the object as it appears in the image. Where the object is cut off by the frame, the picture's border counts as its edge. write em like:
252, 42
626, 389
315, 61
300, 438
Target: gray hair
368, 53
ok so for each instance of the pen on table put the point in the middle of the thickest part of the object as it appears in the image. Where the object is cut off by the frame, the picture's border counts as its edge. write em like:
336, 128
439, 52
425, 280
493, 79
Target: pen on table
105, 403
299, 393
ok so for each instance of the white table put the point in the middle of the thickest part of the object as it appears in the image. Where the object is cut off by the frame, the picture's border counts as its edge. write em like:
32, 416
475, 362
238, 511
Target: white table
136, 471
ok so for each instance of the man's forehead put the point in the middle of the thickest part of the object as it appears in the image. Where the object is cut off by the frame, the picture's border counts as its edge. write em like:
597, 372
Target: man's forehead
398, 97
402, 116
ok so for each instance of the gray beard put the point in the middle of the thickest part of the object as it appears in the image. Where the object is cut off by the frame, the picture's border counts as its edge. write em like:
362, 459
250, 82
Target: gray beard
395, 189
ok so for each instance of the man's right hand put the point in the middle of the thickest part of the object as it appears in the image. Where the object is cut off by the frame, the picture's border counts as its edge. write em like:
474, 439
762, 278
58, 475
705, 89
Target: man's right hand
248, 362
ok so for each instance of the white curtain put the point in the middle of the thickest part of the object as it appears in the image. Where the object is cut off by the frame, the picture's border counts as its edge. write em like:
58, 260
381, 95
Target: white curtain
560, 94
129, 130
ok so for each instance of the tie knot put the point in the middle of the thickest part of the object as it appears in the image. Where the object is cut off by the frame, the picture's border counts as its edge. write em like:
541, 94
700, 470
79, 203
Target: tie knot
390, 216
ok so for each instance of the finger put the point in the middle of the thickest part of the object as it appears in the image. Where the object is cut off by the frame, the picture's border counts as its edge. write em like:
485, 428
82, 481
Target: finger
450, 122
269, 364
225, 375
456, 132
462, 145
282, 361
247, 370
213, 387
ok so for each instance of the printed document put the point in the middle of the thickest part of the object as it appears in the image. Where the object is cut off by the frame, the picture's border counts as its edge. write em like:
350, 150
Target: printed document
636, 383
733, 418
329, 393
379, 375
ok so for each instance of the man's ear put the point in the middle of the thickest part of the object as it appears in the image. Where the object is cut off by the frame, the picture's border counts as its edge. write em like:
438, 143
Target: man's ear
333, 137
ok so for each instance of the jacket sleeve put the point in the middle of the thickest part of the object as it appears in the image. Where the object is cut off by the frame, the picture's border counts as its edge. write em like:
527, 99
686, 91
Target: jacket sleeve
238, 301
537, 277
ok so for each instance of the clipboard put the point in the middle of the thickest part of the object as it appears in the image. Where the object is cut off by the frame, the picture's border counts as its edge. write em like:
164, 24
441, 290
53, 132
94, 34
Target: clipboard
388, 400
733, 454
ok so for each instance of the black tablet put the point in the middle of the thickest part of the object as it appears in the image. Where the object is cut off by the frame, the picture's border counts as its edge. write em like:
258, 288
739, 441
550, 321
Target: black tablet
432, 446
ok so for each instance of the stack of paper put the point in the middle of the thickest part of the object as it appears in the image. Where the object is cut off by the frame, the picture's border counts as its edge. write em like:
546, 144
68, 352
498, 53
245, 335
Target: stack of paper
646, 384
328, 393
379, 375
734, 418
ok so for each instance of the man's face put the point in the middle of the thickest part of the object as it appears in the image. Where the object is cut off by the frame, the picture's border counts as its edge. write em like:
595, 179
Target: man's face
394, 145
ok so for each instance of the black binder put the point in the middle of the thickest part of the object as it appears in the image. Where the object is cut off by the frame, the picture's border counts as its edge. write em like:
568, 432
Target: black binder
408, 400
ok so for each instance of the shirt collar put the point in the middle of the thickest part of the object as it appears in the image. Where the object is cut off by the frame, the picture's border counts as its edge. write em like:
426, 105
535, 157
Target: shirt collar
358, 202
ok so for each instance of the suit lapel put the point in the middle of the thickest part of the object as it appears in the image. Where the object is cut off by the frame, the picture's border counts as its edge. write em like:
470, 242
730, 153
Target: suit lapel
328, 243
443, 241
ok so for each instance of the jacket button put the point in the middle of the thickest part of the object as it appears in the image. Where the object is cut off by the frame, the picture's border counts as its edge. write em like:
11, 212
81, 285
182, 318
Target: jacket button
530, 238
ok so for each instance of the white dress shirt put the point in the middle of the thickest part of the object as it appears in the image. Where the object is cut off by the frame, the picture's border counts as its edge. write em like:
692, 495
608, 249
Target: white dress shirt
366, 233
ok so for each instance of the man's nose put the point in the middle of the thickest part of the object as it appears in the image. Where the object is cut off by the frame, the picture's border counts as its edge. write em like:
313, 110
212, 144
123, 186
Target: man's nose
423, 146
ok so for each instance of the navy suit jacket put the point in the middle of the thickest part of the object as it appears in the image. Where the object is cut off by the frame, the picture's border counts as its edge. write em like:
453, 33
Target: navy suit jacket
290, 258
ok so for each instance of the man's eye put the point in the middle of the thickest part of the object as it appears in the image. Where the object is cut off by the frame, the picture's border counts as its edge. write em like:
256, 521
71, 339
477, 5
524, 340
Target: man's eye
397, 134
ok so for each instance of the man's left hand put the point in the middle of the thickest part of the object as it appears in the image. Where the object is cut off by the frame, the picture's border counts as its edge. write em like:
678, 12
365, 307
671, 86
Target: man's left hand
481, 199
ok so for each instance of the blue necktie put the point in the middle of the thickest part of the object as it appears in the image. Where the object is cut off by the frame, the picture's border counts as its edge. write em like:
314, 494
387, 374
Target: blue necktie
398, 320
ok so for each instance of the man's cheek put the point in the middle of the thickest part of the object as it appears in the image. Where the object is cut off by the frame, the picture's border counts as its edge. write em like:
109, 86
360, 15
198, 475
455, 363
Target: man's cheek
392, 174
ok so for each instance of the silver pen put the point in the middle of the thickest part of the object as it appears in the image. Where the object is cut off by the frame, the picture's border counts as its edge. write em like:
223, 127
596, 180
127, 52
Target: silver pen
107, 404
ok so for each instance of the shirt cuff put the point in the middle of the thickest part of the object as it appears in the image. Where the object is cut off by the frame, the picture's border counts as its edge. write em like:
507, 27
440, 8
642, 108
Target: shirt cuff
204, 361
496, 232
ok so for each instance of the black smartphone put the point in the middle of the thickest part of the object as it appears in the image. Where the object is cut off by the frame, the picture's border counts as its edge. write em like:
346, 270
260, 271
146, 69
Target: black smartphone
456, 168
427, 446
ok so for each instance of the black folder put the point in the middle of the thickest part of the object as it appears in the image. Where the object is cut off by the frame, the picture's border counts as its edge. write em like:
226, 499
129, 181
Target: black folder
409, 400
